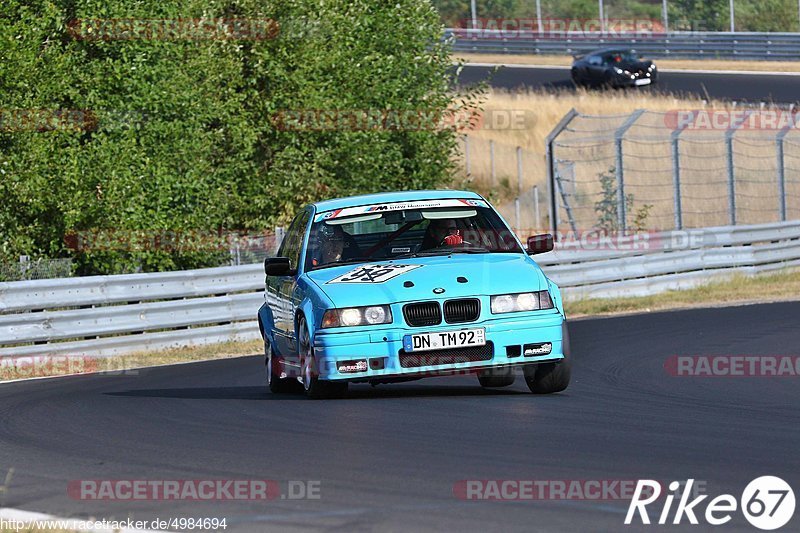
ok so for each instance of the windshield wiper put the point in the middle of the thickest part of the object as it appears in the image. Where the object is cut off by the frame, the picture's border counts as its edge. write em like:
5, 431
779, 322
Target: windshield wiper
442, 251
341, 262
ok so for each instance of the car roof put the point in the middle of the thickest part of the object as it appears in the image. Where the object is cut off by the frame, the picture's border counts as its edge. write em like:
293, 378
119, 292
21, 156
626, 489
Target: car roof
390, 197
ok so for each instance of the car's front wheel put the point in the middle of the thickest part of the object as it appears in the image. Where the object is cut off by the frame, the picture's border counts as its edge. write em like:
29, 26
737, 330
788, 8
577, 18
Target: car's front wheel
315, 388
547, 378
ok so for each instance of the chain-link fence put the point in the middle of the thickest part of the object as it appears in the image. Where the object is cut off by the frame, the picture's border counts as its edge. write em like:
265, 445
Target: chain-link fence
27, 269
683, 169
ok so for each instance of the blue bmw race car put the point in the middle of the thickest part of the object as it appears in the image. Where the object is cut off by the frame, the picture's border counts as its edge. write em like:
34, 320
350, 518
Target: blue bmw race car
398, 286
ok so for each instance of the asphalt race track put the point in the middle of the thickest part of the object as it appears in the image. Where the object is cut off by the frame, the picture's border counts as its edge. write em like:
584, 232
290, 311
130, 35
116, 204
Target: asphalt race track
760, 87
389, 457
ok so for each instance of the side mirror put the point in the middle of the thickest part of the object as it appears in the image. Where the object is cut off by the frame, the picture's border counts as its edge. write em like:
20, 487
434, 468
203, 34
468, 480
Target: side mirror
539, 244
277, 266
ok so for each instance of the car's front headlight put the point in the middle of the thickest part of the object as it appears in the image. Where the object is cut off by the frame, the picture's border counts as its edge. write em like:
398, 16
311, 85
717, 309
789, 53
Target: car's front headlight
524, 301
618, 70
357, 316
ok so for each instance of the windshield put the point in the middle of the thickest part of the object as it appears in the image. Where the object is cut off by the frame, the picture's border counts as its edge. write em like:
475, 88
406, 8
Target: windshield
407, 233
621, 56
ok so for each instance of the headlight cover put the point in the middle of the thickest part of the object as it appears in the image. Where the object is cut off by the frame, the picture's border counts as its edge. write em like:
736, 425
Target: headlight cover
370, 315
523, 301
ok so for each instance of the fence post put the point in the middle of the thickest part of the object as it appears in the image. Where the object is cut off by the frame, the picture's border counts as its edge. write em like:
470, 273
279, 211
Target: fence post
491, 162
729, 133
536, 207
676, 177
618, 137
516, 214
519, 170
280, 233
781, 171
552, 205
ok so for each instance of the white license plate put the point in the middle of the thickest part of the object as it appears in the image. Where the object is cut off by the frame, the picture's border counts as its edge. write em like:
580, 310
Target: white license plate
424, 342
642, 82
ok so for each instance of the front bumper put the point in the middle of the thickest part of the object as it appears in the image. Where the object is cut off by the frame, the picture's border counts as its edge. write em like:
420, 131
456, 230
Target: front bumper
639, 80
384, 357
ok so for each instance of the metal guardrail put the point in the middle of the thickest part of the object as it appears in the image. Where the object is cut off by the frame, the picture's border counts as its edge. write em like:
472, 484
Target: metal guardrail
111, 315
694, 45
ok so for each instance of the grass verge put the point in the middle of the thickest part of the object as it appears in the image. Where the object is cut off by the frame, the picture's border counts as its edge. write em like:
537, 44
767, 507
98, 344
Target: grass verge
740, 289
676, 64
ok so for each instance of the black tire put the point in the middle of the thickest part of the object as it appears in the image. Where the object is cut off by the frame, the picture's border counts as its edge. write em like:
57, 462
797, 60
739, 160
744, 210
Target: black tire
275, 383
547, 378
497, 378
315, 388
576, 78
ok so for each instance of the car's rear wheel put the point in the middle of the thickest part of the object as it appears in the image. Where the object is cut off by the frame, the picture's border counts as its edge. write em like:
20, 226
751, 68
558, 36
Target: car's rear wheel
491, 379
275, 382
315, 388
575, 77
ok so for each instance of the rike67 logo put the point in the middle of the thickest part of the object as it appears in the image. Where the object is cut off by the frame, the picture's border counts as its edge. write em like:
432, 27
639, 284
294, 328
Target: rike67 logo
767, 503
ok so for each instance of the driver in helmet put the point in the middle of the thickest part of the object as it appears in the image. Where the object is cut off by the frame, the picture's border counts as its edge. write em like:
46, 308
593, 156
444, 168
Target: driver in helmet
441, 232
331, 245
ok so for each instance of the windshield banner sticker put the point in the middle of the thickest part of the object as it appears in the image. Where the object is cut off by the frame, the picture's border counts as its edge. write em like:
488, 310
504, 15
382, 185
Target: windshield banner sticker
373, 273
400, 206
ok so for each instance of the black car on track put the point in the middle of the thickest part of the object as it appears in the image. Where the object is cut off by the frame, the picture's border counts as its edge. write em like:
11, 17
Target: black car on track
613, 67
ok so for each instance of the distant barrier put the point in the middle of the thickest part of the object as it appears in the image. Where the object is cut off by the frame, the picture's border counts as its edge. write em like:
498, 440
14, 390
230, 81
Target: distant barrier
690, 45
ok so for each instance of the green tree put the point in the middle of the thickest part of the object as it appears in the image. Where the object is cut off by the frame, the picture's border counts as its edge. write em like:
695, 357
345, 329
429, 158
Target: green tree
178, 134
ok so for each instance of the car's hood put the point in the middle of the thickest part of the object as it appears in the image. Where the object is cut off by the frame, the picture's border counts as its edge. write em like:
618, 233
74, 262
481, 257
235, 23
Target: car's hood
633, 66
459, 275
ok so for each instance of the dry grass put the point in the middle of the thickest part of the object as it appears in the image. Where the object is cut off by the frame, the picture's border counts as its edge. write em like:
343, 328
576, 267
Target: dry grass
676, 64
648, 163
781, 286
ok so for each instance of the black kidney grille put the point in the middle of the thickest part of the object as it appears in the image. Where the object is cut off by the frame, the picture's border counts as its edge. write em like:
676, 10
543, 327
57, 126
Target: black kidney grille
422, 314
460, 311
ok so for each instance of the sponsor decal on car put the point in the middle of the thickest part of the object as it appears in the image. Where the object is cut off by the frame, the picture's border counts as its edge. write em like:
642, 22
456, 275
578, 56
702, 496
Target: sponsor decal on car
379, 273
400, 206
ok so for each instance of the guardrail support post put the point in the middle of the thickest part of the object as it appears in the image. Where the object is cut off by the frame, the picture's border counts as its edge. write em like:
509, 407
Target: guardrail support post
618, 138
551, 169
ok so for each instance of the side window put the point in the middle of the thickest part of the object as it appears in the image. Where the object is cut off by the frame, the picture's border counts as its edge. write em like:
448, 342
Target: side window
595, 60
293, 242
